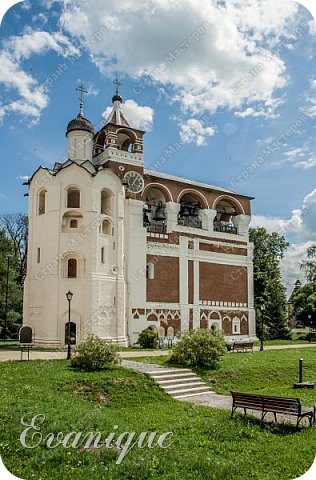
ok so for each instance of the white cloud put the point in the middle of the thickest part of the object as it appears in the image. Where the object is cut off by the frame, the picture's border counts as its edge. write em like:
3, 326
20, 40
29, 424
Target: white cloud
33, 97
301, 227
200, 48
302, 223
290, 264
306, 164
193, 131
39, 42
138, 116
312, 27
23, 178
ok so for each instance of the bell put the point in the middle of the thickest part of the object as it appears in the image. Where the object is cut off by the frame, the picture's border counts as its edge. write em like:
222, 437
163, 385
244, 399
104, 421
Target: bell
195, 210
184, 212
160, 213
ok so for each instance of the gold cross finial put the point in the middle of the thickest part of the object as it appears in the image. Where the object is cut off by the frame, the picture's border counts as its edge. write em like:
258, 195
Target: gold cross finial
82, 90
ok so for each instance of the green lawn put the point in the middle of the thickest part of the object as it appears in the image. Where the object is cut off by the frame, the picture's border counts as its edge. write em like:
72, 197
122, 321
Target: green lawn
271, 372
207, 444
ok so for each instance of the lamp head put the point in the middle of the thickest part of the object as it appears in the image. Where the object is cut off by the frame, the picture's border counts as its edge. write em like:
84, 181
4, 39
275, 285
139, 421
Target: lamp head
69, 296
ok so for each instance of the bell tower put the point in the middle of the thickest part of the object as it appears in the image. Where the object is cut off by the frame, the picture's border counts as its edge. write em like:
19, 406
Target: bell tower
118, 140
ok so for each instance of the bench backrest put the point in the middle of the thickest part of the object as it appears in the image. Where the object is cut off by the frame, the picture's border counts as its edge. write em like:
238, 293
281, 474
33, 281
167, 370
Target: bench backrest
247, 400
267, 403
279, 404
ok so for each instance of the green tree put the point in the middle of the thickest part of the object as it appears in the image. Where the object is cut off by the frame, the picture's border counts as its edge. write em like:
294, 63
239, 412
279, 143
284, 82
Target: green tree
269, 249
304, 304
15, 292
309, 266
15, 227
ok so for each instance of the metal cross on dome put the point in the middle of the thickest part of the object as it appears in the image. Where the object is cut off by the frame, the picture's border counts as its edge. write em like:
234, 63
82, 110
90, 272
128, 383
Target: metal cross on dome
82, 90
117, 84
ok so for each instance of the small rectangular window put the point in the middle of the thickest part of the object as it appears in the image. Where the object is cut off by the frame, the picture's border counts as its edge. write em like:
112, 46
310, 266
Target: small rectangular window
102, 255
38, 255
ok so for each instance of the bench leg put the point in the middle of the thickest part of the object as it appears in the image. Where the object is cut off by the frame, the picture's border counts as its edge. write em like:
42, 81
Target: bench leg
275, 417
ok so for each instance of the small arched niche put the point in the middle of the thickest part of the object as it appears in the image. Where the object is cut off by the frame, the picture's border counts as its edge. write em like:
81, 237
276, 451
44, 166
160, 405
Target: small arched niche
42, 202
106, 202
106, 227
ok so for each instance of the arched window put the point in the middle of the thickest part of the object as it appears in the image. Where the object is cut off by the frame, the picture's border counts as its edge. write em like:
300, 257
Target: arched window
73, 198
106, 202
106, 227
236, 325
72, 268
170, 332
42, 202
73, 223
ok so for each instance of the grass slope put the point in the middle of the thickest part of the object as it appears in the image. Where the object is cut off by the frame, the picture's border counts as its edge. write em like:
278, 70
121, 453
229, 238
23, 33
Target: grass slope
207, 444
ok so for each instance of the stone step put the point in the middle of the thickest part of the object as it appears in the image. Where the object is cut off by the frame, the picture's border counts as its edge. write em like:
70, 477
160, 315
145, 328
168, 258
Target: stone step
176, 380
179, 397
179, 386
172, 376
169, 371
186, 391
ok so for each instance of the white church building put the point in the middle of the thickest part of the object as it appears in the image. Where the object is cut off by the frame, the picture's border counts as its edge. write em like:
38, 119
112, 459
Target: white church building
137, 248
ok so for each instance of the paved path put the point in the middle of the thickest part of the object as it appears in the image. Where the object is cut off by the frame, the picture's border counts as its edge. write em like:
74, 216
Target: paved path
16, 354
36, 355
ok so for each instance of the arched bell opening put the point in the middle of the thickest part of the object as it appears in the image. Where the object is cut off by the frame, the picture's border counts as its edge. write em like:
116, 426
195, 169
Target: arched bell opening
154, 211
224, 218
190, 211
99, 143
125, 140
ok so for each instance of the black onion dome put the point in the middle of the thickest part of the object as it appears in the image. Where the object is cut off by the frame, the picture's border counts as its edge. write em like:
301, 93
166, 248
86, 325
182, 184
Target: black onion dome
80, 123
117, 98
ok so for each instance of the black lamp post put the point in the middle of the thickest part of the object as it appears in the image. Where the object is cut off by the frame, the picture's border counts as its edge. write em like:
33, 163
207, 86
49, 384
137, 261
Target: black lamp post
6, 299
262, 308
69, 296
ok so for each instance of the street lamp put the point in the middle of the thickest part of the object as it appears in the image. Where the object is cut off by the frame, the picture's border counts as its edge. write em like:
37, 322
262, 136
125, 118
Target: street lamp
69, 296
6, 299
262, 308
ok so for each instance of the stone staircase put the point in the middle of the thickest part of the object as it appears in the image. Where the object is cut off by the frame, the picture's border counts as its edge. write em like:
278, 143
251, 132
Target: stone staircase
179, 383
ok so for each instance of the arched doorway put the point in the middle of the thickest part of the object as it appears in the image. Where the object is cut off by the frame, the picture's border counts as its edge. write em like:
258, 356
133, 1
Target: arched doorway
73, 333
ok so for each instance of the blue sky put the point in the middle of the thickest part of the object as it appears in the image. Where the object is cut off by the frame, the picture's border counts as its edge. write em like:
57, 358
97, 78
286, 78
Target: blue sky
224, 78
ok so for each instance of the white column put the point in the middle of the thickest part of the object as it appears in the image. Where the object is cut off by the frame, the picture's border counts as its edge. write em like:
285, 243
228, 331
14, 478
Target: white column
184, 283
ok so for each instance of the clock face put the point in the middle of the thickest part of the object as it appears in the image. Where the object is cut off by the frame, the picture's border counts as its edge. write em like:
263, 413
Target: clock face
135, 182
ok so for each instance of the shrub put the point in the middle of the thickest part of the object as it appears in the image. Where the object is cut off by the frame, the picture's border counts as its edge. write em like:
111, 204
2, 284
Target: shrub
311, 336
148, 339
200, 348
94, 354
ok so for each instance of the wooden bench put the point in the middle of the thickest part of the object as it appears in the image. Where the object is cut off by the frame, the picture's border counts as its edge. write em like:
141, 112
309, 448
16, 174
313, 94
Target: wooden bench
242, 346
269, 404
